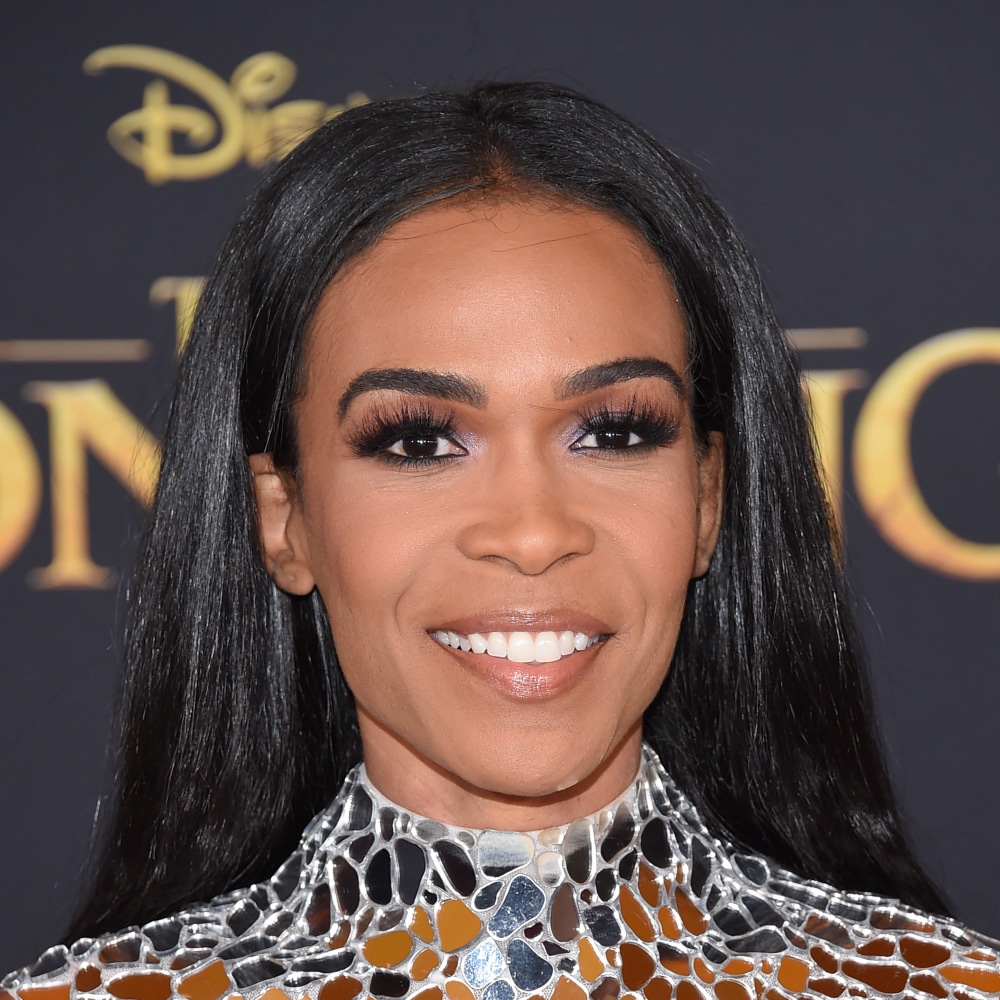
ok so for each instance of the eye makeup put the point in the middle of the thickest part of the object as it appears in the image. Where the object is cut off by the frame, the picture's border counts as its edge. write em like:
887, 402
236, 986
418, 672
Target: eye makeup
414, 433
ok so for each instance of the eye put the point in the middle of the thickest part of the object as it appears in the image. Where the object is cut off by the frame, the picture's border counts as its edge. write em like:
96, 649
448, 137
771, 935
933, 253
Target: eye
424, 446
635, 429
608, 439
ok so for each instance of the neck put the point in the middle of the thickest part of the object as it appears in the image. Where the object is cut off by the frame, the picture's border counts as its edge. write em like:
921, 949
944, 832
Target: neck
541, 796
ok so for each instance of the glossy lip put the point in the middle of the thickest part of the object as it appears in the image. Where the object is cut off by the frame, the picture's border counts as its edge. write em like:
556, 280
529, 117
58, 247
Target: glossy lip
527, 681
549, 620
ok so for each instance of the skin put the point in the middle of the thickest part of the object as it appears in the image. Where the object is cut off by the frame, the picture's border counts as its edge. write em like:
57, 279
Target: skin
521, 516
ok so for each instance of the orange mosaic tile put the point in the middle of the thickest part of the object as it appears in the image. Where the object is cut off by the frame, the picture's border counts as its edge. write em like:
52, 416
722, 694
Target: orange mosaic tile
887, 977
638, 966
737, 967
827, 985
566, 989
341, 988
60, 991
208, 983
658, 988
729, 989
142, 986
686, 990
89, 978
274, 993
880, 947
793, 973
649, 885
928, 984
457, 925
702, 971
591, 966
431, 993
387, 950
457, 990
986, 980
450, 966
635, 915
424, 964
693, 919
421, 925
668, 923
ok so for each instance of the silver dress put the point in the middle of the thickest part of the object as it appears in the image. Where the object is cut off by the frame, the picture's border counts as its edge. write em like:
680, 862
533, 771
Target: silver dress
638, 900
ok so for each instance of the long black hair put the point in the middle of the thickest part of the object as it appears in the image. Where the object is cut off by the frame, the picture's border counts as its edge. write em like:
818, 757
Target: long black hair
237, 724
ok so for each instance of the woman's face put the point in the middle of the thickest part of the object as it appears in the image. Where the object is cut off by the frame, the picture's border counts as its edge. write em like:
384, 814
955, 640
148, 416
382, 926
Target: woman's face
496, 450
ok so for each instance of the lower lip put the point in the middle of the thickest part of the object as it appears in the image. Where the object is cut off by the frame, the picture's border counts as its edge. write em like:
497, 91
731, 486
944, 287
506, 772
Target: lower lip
527, 681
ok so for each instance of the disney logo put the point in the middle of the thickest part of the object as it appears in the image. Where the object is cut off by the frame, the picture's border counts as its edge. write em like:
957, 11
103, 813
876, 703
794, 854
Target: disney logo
239, 119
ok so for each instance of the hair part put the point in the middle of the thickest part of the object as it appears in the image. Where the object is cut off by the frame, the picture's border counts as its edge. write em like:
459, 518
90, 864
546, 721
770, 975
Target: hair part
237, 725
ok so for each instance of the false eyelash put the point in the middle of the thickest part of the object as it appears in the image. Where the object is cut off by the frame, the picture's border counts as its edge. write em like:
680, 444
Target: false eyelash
383, 426
656, 427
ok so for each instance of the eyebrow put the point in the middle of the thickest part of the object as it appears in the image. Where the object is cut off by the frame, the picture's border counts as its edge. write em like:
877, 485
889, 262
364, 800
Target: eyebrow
622, 370
414, 382
459, 389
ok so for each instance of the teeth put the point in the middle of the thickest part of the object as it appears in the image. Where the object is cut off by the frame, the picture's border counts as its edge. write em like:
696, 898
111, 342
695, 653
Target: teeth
519, 647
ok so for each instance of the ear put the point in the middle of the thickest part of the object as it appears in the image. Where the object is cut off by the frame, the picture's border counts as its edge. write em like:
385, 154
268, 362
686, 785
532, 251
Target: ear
279, 523
711, 480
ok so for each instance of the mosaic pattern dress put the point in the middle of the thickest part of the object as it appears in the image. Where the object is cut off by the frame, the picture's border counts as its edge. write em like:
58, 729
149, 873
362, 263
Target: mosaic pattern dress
638, 901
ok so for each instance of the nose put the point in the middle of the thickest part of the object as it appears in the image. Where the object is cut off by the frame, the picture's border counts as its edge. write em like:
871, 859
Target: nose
526, 520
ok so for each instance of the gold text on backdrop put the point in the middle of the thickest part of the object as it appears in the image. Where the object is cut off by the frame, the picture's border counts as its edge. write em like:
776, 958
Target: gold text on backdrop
238, 119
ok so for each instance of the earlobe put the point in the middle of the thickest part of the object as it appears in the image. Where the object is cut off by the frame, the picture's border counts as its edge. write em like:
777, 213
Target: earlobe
279, 526
711, 487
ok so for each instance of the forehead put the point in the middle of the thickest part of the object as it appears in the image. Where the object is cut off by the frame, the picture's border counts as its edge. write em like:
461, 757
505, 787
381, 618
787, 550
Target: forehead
463, 284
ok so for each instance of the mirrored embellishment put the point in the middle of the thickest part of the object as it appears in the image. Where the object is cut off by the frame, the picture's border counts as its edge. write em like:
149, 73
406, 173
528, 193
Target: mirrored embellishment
528, 970
564, 918
359, 809
603, 926
457, 866
386, 821
523, 901
389, 984
501, 851
578, 848
378, 878
360, 847
550, 868
487, 896
620, 835
499, 990
483, 964
345, 883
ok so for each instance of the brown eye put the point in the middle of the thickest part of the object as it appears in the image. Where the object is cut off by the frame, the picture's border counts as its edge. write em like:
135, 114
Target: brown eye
423, 446
609, 439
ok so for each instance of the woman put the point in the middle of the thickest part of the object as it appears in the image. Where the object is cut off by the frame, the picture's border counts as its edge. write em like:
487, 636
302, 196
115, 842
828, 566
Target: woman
485, 394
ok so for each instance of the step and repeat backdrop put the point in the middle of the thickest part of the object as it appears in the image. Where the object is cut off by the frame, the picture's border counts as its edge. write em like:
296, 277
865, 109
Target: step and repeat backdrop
858, 146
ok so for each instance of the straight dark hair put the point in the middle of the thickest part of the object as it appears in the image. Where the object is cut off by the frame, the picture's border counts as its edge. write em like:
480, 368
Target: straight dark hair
237, 723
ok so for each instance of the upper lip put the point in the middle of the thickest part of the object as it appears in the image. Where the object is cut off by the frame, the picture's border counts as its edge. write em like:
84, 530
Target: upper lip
521, 620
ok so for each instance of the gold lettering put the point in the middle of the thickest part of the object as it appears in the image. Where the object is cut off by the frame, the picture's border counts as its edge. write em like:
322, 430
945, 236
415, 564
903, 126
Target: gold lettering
238, 116
20, 486
86, 415
883, 470
825, 392
184, 293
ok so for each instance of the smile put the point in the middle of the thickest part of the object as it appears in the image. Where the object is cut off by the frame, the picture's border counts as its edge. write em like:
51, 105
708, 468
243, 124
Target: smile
519, 647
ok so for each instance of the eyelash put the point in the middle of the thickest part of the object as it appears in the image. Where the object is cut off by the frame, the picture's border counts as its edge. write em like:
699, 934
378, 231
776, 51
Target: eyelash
381, 428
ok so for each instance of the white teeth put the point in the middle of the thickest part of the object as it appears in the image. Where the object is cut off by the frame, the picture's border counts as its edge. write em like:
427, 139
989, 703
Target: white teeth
519, 647
496, 644
546, 647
